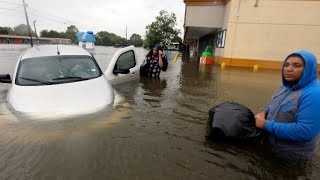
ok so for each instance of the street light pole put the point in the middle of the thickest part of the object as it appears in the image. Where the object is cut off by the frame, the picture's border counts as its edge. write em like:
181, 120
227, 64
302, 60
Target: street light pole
25, 11
35, 30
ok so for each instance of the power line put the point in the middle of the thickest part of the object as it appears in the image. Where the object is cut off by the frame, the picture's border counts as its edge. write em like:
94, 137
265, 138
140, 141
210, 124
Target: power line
10, 3
49, 14
65, 21
39, 16
9, 10
31, 14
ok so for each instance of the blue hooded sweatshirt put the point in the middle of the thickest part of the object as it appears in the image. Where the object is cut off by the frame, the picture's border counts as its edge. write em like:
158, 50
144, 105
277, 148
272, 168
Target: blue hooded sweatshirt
293, 116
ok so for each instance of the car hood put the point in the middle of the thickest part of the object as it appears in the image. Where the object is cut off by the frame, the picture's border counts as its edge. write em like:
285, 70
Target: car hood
76, 97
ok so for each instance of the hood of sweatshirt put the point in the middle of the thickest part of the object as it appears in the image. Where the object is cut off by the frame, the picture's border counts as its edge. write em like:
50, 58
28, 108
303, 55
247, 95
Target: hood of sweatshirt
309, 73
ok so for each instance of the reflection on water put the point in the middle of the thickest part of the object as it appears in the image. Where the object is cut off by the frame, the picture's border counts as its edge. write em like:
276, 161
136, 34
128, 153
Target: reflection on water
156, 131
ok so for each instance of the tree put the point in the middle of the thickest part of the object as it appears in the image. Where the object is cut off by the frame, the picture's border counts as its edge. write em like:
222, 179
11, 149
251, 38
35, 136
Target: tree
71, 33
136, 40
22, 30
6, 30
162, 30
50, 34
105, 38
44, 33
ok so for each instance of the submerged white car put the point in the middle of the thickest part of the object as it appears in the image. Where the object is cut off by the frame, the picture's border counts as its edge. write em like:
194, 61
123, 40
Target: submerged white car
66, 79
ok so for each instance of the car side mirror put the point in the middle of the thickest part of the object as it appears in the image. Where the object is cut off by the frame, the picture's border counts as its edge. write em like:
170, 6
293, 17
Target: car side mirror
5, 78
121, 71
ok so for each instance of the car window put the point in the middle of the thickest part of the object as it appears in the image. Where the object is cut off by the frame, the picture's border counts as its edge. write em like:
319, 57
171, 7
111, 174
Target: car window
126, 60
56, 70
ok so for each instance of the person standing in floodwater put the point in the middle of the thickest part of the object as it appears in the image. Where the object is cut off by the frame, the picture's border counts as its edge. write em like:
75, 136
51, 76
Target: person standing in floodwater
155, 62
292, 119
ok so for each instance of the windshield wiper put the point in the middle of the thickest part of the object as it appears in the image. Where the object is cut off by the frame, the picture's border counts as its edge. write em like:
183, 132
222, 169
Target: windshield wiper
37, 80
70, 77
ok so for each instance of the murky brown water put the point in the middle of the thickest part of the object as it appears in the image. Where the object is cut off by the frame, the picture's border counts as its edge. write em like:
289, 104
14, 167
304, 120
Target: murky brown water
156, 131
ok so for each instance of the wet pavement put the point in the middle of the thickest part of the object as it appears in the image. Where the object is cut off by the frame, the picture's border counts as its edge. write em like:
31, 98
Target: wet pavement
156, 131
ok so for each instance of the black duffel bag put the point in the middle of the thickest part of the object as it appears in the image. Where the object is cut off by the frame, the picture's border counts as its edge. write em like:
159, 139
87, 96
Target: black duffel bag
144, 68
165, 63
232, 121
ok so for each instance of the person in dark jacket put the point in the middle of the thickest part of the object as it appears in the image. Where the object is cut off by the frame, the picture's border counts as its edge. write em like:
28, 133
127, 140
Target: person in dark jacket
155, 60
292, 118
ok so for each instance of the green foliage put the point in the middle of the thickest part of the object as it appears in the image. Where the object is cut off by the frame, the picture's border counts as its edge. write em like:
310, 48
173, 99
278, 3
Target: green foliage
70, 33
104, 38
44, 33
22, 30
136, 40
6, 30
51, 34
162, 30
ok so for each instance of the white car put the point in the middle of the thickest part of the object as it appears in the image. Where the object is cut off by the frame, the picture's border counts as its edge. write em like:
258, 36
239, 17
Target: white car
66, 79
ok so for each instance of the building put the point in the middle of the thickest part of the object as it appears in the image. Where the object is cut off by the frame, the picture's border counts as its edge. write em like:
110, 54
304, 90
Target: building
14, 39
252, 32
86, 39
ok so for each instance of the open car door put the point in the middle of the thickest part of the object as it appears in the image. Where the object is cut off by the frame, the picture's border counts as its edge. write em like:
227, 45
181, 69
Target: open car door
123, 66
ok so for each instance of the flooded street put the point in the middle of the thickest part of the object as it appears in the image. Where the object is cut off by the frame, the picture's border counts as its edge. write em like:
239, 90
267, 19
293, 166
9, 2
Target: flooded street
156, 130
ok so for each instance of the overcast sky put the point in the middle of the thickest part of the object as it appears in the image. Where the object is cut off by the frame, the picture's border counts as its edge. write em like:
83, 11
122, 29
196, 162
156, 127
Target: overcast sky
90, 15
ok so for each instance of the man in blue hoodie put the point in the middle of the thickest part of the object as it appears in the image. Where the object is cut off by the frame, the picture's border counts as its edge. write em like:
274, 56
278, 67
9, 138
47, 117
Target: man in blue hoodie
292, 119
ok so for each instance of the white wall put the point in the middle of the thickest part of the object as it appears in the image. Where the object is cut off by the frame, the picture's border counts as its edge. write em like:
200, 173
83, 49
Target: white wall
273, 29
205, 16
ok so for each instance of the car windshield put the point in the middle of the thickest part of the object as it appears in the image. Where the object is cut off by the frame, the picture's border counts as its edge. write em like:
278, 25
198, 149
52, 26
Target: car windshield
56, 70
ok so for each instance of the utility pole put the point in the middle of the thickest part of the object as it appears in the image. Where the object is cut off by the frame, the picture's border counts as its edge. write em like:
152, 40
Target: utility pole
35, 30
126, 33
29, 29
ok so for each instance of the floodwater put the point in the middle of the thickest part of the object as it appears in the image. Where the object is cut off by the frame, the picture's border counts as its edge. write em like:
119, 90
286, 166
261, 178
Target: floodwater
156, 131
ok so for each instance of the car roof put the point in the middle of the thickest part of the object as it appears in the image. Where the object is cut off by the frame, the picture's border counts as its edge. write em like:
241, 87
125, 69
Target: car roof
52, 50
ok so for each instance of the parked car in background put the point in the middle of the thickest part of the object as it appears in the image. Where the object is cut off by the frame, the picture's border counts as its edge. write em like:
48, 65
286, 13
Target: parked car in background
66, 79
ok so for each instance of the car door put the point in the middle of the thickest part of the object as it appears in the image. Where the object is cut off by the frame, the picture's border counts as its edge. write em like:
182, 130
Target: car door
123, 66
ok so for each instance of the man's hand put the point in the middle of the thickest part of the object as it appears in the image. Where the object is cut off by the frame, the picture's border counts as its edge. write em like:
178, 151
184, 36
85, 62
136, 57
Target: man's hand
261, 114
260, 119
